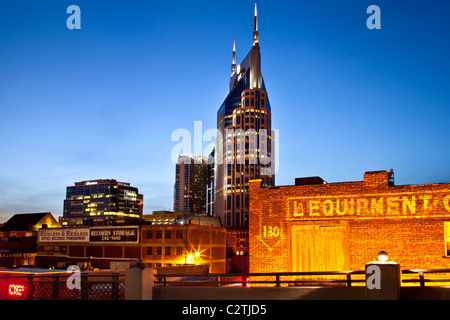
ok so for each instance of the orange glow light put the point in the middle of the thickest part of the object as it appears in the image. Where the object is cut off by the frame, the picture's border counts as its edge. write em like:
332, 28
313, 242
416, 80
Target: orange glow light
16, 290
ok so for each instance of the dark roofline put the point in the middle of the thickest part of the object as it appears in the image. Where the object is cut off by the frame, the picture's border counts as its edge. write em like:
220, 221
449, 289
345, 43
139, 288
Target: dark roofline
22, 221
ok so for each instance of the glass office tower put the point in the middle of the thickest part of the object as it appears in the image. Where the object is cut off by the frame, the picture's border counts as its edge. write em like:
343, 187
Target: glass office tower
243, 148
100, 202
190, 189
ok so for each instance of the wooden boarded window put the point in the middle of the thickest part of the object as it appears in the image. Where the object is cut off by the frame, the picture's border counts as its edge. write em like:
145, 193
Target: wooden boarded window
447, 238
318, 248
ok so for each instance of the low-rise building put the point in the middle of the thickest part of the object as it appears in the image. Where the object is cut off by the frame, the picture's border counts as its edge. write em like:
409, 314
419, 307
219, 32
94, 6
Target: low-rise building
318, 226
18, 238
153, 245
180, 244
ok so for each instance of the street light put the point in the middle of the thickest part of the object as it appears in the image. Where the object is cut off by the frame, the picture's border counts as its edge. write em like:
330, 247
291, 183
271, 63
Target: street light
193, 258
383, 256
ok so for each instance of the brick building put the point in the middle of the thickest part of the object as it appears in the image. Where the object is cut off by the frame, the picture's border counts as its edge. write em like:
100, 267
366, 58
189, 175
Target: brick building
18, 237
176, 245
318, 226
155, 245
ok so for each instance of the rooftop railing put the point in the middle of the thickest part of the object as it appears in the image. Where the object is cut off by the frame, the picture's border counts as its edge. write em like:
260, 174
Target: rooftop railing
344, 278
55, 286
434, 276
111, 285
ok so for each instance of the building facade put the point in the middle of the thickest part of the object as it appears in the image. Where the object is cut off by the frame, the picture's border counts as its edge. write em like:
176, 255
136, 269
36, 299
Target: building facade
18, 238
184, 244
166, 218
318, 226
88, 247
99, 202
210, 185
156, 246
243, 148
190, 187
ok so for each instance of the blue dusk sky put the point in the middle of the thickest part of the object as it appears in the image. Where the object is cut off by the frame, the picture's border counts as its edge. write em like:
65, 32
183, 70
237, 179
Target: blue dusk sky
102, 102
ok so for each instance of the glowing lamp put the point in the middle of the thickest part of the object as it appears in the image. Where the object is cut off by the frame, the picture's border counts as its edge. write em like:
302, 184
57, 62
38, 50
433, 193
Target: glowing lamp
383, 256
197, 254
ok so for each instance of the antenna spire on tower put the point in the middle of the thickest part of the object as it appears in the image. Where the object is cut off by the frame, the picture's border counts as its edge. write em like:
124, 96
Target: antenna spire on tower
233, 64
255, 27
234, 51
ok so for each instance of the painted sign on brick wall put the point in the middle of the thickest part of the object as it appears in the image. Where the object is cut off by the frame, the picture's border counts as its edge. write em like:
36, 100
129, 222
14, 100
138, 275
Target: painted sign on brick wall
431, 204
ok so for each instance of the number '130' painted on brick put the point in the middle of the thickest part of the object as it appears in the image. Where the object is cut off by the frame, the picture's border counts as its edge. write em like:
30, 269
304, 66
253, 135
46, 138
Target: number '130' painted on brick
271, 231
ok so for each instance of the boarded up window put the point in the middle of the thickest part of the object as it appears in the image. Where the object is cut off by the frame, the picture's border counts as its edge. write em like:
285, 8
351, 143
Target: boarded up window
318, 248
447, 238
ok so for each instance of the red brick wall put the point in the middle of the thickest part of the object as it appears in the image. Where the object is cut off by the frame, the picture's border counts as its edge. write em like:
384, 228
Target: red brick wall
413, 243
113, 251
406, 221
76, 251
132, 252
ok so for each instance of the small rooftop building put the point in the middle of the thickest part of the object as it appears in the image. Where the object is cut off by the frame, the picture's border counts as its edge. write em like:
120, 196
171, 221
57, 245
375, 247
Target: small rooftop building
27, 224
18, 237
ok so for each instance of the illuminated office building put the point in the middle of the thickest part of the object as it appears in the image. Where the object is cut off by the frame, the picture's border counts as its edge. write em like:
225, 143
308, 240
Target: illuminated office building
101, 202
190, 185
210, 185
243, 149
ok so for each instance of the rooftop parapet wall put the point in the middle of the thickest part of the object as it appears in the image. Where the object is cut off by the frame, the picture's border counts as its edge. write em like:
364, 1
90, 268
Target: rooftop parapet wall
376, 179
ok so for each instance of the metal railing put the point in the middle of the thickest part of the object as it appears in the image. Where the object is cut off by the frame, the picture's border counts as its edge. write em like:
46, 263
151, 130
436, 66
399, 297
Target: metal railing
421, 276
112, 285
55, 286
343, 278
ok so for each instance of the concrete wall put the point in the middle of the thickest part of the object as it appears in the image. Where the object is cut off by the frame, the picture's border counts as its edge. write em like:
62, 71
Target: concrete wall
139, 285
261, 293
305, 293
425, 293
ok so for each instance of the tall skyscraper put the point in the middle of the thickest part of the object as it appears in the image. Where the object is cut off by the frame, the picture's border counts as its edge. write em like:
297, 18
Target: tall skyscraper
190, 185
210, 185
243, 149
98, 202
